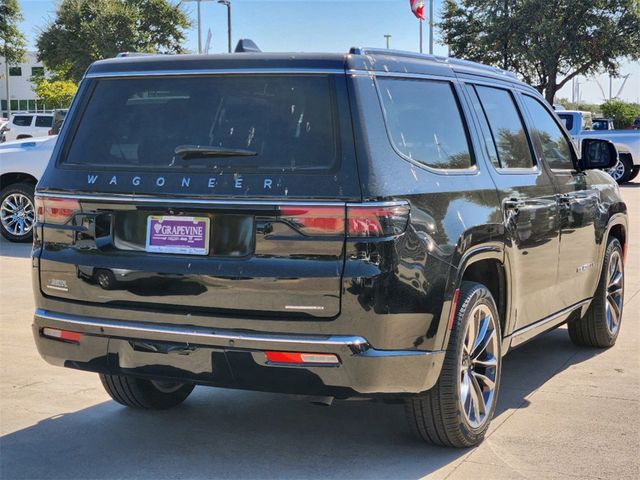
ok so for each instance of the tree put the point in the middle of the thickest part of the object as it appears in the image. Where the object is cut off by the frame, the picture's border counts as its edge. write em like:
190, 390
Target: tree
622, 113
546, 42
13, 42
55, 93
88, 30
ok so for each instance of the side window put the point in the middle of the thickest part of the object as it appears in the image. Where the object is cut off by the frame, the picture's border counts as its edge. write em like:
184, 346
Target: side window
425, 123
506, 127
22, 120
484, 127
44, 121
548, 137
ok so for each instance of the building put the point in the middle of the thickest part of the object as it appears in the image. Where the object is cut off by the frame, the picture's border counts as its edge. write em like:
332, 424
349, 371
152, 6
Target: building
22, 96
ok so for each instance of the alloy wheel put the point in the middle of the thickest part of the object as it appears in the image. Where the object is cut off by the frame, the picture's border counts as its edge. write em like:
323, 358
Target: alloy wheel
17, 214
615, 289
617, 171
479, 366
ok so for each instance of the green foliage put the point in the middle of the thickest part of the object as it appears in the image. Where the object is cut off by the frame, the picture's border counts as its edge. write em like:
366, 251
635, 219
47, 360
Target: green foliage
13, 42
88, 30
546, 42
585, 107
622, 113
55, 93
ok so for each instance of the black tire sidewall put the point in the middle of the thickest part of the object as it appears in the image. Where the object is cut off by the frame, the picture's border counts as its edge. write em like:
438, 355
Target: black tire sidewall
24, 189
601, 292
471, 295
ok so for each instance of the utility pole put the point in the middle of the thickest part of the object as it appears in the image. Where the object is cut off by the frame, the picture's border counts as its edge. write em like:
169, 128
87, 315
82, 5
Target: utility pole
227, 3
387, 38
199, 22
610, 86
430, 28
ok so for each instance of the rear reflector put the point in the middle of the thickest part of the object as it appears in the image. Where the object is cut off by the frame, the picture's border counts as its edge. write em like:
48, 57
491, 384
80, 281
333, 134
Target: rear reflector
454, 307
358, 220
299, 358
55, 210
61, 334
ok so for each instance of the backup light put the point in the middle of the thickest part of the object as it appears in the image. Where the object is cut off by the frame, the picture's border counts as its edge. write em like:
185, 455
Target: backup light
299, 358
64, 335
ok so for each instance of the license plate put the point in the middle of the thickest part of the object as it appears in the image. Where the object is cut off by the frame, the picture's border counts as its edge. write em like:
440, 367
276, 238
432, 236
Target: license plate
185, 235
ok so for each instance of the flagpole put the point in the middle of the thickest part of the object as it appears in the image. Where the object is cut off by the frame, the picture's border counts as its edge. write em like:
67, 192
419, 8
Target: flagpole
431, 27
420, 22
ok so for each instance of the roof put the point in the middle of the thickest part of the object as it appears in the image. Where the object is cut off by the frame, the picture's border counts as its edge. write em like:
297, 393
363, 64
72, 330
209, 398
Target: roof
358, 58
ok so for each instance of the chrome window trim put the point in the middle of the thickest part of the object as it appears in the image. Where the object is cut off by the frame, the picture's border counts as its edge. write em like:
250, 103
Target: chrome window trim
229, 71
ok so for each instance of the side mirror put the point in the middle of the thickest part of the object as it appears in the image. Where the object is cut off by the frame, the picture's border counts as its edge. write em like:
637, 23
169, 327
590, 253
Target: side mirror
598, 154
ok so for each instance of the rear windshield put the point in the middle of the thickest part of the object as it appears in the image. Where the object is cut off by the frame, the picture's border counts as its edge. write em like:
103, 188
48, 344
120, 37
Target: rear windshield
258, 122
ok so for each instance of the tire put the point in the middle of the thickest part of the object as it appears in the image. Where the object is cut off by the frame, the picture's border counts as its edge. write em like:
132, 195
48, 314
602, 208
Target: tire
439, 416
600, 326
634, 173
105, 278
622, 170
145, 394
17, 199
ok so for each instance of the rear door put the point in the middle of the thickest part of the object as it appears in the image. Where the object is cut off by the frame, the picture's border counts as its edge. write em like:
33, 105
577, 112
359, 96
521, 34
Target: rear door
223, 194
529, 205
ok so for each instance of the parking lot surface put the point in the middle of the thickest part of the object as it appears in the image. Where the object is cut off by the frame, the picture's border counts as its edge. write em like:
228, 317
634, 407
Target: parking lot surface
564, 412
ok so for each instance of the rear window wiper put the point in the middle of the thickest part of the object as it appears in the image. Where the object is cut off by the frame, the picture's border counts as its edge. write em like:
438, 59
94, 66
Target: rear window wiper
187, 152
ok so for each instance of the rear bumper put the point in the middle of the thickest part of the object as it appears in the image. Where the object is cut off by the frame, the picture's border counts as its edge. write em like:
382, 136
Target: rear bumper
235, 358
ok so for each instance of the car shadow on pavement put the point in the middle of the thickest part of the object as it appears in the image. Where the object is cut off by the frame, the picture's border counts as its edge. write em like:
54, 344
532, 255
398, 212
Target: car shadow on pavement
221, 433
16, 250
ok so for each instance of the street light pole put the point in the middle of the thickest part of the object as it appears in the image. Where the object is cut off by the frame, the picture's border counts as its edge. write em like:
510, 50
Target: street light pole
387, 38
199, 29
227, 3
430, 27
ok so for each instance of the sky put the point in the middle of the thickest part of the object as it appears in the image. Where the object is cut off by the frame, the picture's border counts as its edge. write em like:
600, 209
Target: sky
324, 26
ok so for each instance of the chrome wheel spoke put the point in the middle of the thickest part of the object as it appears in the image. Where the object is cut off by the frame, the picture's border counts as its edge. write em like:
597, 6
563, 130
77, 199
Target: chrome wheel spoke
478, 377
479, 406
479, 366
490, 362
614, 292
17, 214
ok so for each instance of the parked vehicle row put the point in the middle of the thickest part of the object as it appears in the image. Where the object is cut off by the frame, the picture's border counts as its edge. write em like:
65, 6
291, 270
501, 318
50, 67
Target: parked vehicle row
378, 224
21, 166
627, 143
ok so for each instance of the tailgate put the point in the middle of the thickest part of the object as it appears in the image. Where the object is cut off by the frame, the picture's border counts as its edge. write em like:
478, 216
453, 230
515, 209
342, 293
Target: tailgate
258, 259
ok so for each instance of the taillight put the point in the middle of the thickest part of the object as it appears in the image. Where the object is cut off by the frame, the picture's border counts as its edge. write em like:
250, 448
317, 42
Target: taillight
314, 220
377, 221
55, 210
358, 220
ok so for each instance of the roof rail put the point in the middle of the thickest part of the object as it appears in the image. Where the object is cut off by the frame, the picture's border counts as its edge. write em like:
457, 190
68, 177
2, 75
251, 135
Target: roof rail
425, 56
139, 54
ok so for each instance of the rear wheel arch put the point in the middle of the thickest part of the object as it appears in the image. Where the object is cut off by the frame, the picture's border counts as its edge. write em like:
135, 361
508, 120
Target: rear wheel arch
16, 177
491, 273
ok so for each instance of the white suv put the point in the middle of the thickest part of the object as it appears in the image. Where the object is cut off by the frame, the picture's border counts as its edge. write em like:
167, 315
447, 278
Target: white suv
27, 125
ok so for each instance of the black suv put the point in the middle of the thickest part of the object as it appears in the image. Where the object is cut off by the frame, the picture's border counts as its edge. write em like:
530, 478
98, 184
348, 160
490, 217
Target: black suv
374, 224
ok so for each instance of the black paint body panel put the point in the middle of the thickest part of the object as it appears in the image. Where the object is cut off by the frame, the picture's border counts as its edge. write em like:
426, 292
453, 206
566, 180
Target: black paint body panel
395, 292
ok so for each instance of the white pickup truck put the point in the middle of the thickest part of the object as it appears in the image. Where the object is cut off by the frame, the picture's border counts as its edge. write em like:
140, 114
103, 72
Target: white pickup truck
21, 166
627, 142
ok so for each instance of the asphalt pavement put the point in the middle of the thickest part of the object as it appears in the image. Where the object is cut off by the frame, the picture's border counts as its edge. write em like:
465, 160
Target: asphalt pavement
563, 412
